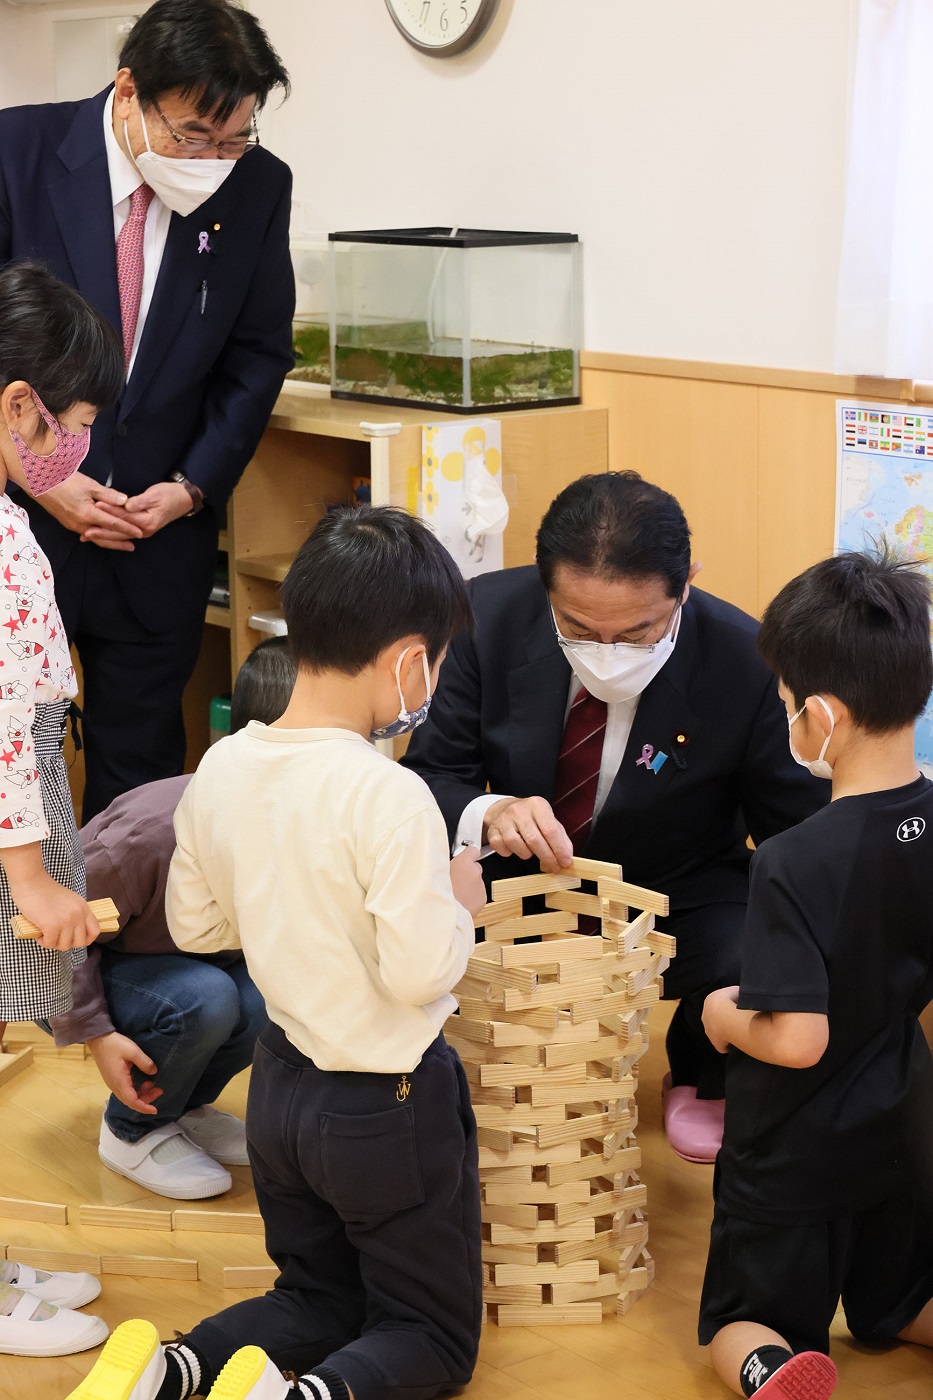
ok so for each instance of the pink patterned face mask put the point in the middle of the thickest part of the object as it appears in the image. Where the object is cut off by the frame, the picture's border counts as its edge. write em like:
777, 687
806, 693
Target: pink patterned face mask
70, 450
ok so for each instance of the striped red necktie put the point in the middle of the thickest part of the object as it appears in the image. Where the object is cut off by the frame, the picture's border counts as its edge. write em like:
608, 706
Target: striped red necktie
130, 266
578, 764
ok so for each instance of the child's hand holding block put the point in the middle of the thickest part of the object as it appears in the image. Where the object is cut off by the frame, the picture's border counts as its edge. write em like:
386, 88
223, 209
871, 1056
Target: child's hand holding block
104, 911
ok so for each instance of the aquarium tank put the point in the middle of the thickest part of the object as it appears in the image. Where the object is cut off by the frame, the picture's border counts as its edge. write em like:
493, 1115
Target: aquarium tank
311, 326
464, 320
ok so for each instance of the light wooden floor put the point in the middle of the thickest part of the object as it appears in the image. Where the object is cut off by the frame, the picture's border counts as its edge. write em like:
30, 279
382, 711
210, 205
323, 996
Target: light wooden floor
49, 1120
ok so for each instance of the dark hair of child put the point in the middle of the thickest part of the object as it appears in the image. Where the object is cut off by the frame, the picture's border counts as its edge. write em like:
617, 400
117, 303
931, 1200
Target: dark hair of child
365, 578
264, 684
856, 626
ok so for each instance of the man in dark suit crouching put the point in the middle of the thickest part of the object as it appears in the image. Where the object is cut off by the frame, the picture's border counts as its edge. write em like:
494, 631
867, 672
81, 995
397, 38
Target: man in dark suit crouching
605, 707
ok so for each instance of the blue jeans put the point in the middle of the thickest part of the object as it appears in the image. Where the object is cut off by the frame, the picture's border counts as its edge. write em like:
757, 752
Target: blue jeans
198, 1022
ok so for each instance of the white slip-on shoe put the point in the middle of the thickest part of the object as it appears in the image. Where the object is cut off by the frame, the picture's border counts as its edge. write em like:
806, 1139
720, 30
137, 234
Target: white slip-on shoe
54, 1332
64, 1290
250, 1375
219, 1134
130, 1367
166, 1162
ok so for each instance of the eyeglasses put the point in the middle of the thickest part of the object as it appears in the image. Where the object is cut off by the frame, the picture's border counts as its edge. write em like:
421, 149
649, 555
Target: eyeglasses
585, 644
231, 149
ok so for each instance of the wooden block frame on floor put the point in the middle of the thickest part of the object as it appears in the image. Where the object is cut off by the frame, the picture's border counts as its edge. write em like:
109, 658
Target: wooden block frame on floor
550, 1033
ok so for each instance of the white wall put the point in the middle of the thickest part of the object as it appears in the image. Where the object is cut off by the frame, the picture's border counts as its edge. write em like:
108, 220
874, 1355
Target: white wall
697, 148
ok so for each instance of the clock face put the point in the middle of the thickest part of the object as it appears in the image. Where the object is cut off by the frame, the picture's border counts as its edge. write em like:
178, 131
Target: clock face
442, 27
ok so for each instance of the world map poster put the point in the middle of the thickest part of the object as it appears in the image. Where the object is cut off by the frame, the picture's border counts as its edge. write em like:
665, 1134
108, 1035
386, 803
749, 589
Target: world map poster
884, 487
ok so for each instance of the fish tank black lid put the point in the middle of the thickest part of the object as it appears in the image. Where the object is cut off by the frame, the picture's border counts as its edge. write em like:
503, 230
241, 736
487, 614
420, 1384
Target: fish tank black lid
438, 237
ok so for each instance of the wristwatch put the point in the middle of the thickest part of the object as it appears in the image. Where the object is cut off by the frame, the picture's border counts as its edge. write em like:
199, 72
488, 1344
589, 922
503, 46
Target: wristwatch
195, 492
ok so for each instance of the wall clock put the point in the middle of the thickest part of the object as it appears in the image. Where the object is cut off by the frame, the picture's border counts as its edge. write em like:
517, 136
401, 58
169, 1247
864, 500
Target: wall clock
442, 27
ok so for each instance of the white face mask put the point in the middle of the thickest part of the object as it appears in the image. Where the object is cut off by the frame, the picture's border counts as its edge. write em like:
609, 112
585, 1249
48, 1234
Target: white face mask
817, 766
182, 185
614, 671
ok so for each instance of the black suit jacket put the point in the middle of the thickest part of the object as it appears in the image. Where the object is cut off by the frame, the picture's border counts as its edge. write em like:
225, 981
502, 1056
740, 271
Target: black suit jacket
498, 718
203, 385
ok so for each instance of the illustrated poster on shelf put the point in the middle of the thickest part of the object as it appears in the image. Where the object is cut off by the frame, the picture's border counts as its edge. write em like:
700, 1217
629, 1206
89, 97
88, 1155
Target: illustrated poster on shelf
461, 491
884, 487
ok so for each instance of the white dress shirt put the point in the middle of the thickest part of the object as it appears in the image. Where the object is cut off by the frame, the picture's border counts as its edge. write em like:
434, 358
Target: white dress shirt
124, 179
619, 720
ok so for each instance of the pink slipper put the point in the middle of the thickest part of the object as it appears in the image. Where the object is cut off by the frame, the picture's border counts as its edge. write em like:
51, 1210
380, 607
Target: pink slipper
693, 1126
807, 1376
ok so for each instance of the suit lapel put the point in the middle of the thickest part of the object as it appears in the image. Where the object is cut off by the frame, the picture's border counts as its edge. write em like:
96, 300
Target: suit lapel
83, 206
537, 690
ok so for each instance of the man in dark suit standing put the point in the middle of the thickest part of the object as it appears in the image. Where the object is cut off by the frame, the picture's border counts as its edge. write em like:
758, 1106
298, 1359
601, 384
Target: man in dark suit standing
157, 202
608, 708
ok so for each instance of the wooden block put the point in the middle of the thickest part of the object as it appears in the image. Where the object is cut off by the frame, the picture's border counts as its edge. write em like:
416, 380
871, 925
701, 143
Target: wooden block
648, 900
12, 1064
513, 1075
606, 1286
586, 1271
596, 1049
572, 1315
535, 1192
545, 1018
520, 1175
497, 913
497, 1139
602, 1203
590, 1125
634, 1196
474, 1054
506, 1033
510, 1253
532, 926
525, 979
553, 994
520, 1118
150, 1266
104, 911
517, 1293
582, 948
575, 903
570, 1252
55, 1260
585, 1010
125, 1218
49, 1212
664, 943
251, 1276
635, 1281
225, 1222
545, 1232
594, 1165
526, 885
479, 1032
593, 869
592, 1089
496, 1095
527, 1154
629, 935
523, 1217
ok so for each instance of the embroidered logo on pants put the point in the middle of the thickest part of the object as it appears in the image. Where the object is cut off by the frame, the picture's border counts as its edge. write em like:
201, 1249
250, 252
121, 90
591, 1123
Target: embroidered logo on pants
403, 1090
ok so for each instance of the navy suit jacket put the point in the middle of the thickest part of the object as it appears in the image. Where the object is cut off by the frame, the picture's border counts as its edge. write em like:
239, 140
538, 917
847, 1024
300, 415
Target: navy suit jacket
203, 385
498, 719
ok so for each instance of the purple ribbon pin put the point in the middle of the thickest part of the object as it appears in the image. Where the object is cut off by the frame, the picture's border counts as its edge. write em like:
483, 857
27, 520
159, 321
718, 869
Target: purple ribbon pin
204, 243
647, 754
652, 761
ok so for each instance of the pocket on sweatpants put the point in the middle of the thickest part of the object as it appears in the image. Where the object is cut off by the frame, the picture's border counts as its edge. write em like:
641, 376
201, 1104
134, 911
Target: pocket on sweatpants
370, 1162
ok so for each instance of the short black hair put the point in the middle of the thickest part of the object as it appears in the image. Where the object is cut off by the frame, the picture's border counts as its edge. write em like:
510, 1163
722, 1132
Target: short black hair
56, 341
211, 50
364, 578
263, 685
856, 626
616, 525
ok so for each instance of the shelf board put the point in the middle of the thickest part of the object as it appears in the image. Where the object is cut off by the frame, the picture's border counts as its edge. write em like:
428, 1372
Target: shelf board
217, 617
223, 539
270, 566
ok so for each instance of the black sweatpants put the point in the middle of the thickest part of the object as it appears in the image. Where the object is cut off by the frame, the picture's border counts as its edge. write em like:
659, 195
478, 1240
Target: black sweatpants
708, 956
368, 1186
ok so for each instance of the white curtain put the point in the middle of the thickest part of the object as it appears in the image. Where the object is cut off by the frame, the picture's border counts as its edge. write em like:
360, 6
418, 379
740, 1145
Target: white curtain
884, 317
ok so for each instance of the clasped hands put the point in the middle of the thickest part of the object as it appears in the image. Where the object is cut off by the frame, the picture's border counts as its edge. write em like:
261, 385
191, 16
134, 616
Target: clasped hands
111, 519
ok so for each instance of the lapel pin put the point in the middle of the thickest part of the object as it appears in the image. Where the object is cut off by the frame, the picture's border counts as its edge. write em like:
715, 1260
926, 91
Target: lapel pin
204, 243
217, 228
653, 761
679, 742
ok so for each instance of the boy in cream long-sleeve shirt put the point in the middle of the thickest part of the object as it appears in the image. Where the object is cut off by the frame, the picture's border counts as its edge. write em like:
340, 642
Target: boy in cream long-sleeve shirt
328, 865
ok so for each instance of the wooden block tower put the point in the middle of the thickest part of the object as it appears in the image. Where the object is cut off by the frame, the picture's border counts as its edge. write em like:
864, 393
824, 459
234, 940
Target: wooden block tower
550, 1033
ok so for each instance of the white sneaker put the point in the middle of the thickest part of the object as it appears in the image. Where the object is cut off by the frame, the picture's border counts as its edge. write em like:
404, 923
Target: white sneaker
130, 1367
60, 1333
64, 1290
219, 1134
166, 1162
250, 1375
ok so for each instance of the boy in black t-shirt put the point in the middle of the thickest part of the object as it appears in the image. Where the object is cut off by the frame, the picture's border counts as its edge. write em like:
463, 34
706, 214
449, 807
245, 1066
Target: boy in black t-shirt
819, 1185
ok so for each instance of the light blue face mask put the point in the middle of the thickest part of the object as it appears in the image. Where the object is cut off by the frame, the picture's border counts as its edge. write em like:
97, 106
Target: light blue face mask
407, 719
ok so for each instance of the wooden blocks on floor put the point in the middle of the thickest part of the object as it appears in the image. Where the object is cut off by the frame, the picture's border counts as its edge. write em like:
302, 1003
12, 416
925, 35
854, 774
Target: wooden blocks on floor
550, 1033
225, 1222
124, 1218
134, 1265
13, 1063
251, 1276
48, 1212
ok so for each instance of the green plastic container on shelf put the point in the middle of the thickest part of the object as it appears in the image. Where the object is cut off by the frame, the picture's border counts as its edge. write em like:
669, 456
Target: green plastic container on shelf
220, 717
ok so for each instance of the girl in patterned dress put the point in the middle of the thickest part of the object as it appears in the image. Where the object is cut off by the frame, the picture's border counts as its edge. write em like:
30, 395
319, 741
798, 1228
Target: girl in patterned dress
60, 363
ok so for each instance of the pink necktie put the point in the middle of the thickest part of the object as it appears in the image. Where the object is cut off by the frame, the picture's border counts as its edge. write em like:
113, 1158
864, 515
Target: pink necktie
130, 266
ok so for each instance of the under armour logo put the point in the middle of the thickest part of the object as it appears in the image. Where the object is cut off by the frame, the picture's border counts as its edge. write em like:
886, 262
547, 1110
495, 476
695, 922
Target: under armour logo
911, 829
403, 1090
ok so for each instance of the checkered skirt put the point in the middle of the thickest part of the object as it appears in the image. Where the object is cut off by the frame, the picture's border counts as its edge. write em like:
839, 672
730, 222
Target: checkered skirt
36, 982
